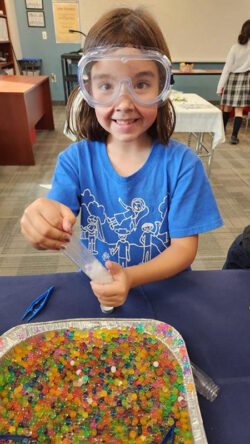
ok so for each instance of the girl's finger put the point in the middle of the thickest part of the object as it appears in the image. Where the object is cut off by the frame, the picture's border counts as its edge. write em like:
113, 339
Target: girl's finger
39, 242
42, 229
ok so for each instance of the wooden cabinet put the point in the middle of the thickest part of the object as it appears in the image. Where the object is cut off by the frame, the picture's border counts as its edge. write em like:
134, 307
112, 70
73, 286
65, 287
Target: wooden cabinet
6, 50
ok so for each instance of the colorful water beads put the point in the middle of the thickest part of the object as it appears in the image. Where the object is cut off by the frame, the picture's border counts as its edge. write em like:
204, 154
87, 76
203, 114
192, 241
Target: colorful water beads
119, 385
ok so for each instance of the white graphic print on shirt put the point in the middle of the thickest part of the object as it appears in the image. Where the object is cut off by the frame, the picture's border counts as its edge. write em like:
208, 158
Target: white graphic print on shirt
133, 235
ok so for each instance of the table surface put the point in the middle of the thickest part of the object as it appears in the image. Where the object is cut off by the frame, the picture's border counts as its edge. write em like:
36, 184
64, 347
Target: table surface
210, 309
199, 71
195, 114
19, 84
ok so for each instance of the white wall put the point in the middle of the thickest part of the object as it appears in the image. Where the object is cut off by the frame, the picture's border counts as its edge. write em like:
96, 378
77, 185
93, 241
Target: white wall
195, 30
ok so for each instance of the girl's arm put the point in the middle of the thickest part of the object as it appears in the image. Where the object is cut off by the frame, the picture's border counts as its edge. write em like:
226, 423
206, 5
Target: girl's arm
174, 259
171, 261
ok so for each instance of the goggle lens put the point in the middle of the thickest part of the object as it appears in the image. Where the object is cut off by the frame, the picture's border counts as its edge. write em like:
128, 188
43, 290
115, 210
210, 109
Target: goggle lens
104, 78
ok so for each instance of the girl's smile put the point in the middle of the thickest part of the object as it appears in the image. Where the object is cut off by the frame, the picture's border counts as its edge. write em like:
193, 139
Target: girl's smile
125, 120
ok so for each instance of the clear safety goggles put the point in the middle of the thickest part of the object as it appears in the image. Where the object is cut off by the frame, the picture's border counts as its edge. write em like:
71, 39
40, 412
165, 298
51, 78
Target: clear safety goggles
106, 73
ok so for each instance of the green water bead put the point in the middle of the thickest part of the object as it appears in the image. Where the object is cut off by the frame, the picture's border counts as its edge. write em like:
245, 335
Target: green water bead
64, 428
187, 434
86, 432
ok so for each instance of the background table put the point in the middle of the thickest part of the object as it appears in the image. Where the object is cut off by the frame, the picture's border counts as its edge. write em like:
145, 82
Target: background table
198, 72
210, 309
25, 104
194, 115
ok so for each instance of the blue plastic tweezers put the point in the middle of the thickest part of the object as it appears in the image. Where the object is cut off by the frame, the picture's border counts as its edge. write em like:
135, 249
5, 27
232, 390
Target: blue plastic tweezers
16, 438
37, 305
169, 438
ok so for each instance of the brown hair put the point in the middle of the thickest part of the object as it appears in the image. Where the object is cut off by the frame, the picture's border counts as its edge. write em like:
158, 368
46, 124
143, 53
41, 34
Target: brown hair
244, 33
122, 27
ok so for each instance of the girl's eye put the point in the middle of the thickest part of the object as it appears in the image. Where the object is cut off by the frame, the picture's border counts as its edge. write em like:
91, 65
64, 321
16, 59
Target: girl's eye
142, 85
105, 86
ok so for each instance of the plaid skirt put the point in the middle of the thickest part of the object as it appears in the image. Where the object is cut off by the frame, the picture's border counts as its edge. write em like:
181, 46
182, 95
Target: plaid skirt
236, 92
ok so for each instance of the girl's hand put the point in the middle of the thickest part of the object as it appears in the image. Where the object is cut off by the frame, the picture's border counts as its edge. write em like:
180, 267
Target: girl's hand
47, 224
115, 293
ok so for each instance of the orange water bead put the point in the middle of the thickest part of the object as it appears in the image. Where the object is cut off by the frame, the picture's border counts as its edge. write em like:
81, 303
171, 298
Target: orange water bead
119, 428
127, 421
185, 427
144, 420
140, 439
15, 405
175, 409
135, 421
45, 390
184, 415
120, 410
155, 414
102, 394
4, 401
77, 400
176, 414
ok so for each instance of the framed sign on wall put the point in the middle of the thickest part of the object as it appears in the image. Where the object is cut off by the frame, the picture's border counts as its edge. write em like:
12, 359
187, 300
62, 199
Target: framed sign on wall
34, 4
36, 19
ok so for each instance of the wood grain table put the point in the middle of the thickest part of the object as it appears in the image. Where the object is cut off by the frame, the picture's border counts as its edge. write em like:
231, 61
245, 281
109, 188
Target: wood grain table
25, 103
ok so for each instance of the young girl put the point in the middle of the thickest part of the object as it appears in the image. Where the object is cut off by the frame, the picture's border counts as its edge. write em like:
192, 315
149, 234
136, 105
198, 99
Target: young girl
143, 197
234, 83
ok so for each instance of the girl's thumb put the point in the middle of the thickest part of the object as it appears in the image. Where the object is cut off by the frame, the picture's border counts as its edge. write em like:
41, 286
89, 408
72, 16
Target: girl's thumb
113, 267
69, 219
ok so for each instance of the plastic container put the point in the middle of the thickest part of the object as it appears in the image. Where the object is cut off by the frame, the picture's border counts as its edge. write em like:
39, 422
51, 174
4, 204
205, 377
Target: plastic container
205, 386
30, 67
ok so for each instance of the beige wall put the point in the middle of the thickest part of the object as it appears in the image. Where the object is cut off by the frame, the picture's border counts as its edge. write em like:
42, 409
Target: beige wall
195, 30
12, 22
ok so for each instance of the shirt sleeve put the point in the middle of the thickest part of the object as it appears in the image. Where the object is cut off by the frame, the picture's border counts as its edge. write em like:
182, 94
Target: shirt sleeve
226, 70
193, 208
65, 184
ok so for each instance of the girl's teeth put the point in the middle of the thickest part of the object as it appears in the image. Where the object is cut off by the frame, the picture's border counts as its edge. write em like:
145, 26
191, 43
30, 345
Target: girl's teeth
124, 122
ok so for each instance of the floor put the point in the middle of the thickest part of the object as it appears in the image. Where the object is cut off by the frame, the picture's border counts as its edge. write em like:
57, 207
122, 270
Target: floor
20, 185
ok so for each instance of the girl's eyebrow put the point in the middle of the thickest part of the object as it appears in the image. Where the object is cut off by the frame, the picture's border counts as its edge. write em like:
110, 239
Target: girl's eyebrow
145, 73
102, 76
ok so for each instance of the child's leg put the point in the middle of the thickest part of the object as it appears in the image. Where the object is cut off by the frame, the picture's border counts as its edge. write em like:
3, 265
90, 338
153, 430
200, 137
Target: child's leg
225, 114
237, 125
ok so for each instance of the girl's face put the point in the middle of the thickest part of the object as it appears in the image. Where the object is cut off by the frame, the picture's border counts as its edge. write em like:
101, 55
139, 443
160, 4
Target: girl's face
125, 120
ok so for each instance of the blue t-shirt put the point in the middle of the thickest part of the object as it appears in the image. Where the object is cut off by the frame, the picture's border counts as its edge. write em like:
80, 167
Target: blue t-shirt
132, 219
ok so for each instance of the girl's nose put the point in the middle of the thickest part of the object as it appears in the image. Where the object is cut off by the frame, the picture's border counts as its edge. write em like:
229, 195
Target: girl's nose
124, 100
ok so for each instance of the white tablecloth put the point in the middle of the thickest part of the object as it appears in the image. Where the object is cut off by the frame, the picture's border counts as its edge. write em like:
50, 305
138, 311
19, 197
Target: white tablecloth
195, 115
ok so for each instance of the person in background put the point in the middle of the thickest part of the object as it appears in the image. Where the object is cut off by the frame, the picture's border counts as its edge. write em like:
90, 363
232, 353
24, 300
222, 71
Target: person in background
238, 255
143, 197
234, 83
